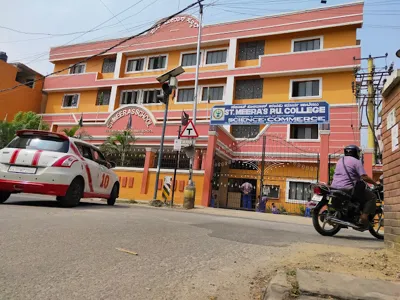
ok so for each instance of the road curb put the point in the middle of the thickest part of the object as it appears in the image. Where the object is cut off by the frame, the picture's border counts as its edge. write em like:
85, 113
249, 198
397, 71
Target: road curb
278, 288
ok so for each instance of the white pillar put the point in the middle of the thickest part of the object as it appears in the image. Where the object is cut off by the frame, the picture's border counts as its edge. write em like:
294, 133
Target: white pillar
113, 98
232, 53
118, 65
229, 94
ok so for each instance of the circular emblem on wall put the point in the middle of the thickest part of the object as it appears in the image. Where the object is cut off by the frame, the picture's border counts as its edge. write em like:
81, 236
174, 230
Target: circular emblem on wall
218, 113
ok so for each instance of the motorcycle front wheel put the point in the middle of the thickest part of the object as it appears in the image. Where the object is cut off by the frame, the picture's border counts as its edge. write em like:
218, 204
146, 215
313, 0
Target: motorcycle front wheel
376, 227
319, 215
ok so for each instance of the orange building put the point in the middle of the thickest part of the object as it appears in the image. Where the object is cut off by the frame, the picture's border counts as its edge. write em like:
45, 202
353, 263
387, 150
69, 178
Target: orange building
294, 57
28, 97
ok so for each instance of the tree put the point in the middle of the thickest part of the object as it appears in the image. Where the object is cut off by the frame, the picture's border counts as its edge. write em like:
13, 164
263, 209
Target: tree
331, 172
77, 132
119, 143
29, 120
7, 133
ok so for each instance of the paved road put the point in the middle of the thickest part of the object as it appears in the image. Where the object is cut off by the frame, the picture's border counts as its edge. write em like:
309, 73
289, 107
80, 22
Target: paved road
49, 252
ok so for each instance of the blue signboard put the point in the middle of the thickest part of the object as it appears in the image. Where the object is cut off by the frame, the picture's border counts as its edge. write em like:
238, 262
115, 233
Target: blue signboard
271, 113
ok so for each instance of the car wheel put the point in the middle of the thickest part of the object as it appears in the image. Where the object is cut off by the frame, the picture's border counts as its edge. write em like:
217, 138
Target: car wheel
113, 195
73, 195
4, 196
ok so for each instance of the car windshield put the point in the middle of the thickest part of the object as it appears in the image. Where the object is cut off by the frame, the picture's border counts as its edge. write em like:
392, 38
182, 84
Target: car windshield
45, 143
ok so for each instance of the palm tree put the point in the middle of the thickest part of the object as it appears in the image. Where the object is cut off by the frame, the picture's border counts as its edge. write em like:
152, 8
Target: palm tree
119, 143
73, 132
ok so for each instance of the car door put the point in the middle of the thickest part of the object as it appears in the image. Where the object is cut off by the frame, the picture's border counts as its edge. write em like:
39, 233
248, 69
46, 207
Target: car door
105, 180
92, 169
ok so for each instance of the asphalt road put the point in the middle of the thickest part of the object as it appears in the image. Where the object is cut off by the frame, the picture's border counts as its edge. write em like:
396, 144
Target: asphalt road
47, 252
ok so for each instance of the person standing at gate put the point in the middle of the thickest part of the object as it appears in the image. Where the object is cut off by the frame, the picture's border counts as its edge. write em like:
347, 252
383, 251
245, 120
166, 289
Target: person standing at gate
247, 188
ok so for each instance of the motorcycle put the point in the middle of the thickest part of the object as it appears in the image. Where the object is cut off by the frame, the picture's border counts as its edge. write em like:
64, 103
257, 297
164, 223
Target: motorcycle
337, 209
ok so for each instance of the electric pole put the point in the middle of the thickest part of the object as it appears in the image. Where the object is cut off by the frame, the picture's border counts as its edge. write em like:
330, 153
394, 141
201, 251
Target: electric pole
367, 88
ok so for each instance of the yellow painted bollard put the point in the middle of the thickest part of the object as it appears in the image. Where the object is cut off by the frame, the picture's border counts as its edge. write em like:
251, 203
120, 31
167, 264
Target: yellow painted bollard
189, 195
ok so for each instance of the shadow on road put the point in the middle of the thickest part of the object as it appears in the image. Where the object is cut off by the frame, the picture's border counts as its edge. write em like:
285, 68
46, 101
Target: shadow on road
55, 204
357, 238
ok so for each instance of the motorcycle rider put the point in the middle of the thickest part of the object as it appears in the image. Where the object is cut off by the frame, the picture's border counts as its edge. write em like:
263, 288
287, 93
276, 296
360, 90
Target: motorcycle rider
350, 176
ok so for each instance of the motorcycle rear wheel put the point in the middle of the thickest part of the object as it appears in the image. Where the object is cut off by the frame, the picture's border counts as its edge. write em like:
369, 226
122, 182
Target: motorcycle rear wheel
377, 222
317, 216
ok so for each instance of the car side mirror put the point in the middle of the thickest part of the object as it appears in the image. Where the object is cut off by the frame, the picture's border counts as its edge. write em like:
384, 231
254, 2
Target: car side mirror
111, 164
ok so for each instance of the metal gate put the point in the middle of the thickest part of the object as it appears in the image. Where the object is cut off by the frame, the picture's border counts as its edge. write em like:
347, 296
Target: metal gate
273, 166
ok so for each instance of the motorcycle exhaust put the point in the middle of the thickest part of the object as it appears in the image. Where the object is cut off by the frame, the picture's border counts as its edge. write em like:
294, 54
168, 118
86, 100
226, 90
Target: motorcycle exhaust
341, 222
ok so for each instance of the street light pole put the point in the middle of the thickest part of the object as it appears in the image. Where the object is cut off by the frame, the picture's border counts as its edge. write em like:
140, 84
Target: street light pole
196, 87
160, 153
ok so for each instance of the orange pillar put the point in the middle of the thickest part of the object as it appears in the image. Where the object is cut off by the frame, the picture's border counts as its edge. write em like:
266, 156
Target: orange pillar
196, 160
148, 163
324, 156
209, 168
368, 161
203, 160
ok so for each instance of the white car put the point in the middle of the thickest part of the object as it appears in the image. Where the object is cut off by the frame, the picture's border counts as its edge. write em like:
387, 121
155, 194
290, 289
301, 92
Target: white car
49, 163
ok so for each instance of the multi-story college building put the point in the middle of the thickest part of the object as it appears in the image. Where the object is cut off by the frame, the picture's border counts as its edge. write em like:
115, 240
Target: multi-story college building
301, 56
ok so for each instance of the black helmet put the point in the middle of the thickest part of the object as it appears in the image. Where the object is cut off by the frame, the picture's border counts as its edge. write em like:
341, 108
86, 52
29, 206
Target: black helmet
352, 150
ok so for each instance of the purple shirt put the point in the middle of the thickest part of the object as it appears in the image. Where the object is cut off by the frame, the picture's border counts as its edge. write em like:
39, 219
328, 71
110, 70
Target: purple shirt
354, 167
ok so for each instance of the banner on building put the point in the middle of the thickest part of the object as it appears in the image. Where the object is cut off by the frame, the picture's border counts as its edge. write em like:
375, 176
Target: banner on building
271, 113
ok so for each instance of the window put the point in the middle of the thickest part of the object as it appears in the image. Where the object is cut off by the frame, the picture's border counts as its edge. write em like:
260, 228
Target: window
103, 97
189, 59
77, 69
216, 57
249, 89
299, 191
304, 132
271, 191
157, 62
109, 65
307, 45
70, 101
251, 50
306, 88
85, 151
37, 142
245, 131
213, 93
130, 97
30, 83
150, 96
185, 95
135, 65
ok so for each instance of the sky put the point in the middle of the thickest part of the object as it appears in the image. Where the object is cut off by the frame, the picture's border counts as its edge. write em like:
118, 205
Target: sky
48, 23
378, 35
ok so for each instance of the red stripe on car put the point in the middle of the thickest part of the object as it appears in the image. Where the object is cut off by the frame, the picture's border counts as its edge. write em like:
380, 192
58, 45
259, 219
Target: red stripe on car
36, 157
89, 177
14, 156
76, 151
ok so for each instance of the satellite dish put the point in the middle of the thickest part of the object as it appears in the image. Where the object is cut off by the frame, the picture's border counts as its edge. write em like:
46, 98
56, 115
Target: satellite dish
398, 53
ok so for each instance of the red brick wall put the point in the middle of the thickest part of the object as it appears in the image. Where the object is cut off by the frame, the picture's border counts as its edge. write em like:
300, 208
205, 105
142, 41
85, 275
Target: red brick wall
391, 172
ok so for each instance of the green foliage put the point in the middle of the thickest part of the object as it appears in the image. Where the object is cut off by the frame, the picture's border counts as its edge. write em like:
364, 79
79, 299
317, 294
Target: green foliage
302, 210
77, 132
282, 209
71, 131
29, 120
7, 133
331, 172
119, 143
22, 120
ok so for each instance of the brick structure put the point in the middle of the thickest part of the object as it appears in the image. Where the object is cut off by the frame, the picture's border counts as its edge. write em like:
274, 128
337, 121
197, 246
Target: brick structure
391, 159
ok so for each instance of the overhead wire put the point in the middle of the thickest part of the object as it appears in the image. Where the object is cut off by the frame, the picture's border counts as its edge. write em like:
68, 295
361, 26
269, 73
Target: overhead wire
116, 17
110, 48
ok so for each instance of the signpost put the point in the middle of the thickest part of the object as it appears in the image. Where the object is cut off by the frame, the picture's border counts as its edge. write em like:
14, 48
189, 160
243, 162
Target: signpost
272, 113
189, 131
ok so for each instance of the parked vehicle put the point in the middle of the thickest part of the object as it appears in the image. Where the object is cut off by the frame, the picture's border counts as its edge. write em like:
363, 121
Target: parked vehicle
338, 210
49, 163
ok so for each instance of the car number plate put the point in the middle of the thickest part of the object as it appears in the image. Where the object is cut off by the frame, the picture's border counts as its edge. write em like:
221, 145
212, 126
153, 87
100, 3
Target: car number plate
22, 170
317, 198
